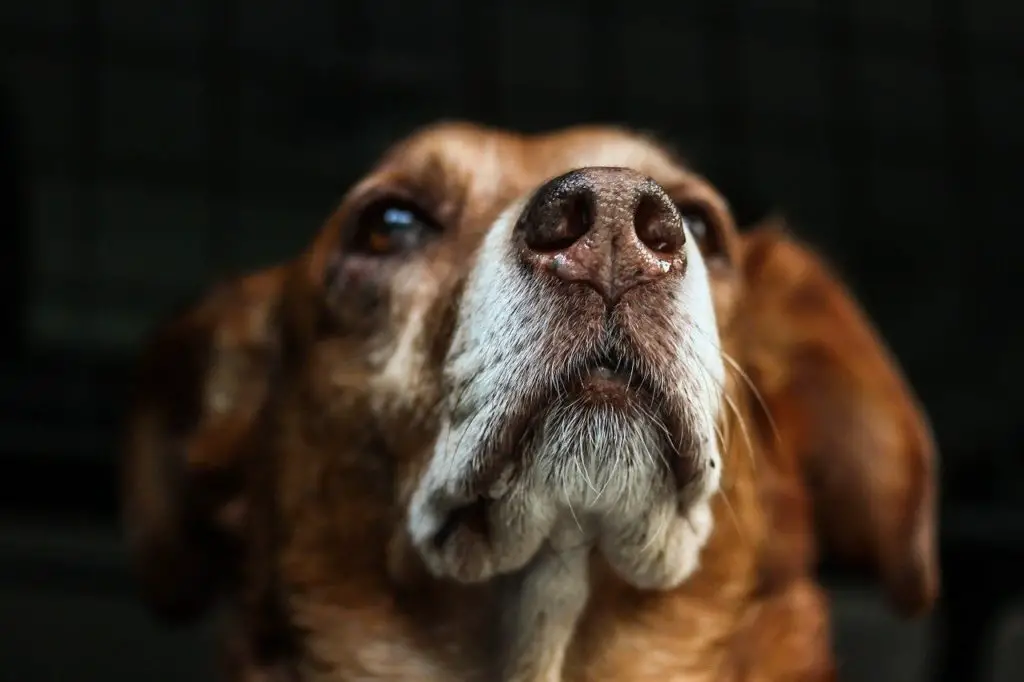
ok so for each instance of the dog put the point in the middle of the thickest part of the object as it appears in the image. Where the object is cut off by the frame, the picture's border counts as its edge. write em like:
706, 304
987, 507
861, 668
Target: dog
528, 408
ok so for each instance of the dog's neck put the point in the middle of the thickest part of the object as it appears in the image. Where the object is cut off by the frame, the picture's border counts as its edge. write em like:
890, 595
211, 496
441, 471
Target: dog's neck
703, 626
359, 616
542, 606
568, 605
538, 607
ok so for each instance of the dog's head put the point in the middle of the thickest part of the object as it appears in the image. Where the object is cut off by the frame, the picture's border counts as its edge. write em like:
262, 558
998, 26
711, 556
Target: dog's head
495, 333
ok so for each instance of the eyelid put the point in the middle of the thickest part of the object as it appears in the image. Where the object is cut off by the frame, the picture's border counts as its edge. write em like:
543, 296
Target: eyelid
712, 244
401, 191
693, 206
376, 211
691, 211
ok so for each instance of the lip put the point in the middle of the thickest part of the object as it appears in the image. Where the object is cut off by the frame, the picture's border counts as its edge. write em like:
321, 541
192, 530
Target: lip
612, 378
604, 373
603, 378
606, 380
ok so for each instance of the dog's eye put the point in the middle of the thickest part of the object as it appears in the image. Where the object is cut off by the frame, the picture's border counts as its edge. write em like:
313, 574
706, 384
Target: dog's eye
390, 227
709, 240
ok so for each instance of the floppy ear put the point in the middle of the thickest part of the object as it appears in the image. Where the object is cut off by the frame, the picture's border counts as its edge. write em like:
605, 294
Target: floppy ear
844, 415
201, 381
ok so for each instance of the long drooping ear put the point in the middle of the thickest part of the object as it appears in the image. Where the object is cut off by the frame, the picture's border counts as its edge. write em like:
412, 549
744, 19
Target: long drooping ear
202, 379
844, 415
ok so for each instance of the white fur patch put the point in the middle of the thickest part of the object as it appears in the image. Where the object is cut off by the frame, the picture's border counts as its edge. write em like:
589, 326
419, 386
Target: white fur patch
605, 466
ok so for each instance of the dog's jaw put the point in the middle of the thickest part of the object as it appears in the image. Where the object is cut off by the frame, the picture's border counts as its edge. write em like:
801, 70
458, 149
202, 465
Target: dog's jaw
524, 464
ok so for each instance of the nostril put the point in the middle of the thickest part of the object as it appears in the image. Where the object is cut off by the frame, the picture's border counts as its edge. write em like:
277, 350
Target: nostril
658, 225
575, 218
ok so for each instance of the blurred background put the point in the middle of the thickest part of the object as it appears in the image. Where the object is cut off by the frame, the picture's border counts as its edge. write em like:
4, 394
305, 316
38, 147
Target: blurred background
148, 147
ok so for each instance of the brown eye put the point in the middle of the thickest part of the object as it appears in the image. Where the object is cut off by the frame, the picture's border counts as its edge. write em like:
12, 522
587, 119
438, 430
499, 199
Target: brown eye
700, 226
390, 227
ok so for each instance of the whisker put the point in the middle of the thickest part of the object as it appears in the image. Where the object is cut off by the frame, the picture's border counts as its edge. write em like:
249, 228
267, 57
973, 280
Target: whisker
735, 518
581, 467
568, 503
722, 440
735, 366
650, 417
741, 422
617, 464
757, 393
737, 414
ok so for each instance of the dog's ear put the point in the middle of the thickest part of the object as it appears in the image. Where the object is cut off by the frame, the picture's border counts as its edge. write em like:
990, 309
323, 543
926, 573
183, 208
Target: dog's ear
202, 379
844, 415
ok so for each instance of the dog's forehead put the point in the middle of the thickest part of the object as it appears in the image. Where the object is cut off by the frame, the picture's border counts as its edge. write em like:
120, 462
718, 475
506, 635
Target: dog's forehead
484, 163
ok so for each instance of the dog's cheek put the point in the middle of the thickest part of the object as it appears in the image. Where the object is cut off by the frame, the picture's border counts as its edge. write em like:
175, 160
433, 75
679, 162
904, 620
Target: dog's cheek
661, 550
358, 295
407, 388
423, 316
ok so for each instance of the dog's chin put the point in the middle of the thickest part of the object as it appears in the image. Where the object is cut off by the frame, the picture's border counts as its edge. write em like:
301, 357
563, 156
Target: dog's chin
599, 458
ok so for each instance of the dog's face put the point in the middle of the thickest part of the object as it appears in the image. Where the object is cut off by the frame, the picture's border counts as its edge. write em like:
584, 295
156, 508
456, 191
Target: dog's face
539, 312
496, 338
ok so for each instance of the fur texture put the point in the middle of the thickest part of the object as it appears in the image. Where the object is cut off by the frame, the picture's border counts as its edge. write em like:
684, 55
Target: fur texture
389, 459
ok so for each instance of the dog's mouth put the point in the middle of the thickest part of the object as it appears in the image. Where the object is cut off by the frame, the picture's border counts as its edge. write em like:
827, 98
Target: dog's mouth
611, 377
602, 436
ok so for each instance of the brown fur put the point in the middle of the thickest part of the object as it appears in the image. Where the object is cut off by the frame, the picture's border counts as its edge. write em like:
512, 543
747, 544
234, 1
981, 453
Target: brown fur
301, 528
201, 380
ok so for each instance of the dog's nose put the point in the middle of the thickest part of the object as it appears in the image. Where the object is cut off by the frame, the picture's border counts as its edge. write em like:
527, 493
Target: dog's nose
610, 228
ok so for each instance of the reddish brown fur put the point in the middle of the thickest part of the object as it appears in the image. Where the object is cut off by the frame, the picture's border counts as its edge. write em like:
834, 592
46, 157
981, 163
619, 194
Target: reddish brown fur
202, 377
323, 583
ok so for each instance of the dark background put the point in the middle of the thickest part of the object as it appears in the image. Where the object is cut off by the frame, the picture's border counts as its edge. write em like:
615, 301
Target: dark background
147, 147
